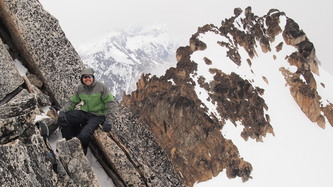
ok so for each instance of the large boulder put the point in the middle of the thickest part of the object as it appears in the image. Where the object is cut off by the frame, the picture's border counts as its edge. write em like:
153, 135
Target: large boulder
17, 116
10, 78
42, 46
26, 158
24, 162
76, 163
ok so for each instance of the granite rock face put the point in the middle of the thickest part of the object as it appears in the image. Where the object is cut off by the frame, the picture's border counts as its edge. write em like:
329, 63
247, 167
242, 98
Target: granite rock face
75, 163
33, 42
17, 116
25, 163
26, 159
10, 79
38, 41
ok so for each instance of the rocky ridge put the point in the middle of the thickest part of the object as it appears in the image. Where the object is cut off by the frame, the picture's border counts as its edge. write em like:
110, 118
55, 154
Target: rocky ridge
180, 114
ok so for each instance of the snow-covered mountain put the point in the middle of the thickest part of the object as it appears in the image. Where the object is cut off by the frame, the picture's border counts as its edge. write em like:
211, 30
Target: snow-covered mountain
121, 57
253, 82
298, 151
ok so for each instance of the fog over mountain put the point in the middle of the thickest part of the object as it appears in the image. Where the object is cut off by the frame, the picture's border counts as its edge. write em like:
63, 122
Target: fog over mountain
121, 57
84, 22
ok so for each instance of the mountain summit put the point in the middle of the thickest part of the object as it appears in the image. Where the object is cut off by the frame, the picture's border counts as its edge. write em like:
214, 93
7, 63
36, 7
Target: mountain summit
241, 74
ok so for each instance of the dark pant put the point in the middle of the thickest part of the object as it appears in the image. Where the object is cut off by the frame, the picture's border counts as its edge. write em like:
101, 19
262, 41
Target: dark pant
80, 124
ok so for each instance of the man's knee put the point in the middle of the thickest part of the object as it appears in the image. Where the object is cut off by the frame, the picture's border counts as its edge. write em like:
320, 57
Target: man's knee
75, 117
62, 123
67, 133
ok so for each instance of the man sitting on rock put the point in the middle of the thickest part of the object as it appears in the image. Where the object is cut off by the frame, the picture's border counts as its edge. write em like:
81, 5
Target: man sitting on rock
86, 109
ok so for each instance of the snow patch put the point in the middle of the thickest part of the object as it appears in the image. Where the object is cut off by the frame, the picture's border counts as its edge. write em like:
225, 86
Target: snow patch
19, 66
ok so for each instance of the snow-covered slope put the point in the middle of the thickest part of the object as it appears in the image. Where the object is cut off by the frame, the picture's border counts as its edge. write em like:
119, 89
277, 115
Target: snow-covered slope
121, 57
299, 153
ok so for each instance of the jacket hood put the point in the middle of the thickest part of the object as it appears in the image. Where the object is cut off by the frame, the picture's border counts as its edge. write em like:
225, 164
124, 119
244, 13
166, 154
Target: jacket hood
87, 71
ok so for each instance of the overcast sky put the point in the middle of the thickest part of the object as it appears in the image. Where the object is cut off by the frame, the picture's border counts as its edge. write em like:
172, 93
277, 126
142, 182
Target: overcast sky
86, 21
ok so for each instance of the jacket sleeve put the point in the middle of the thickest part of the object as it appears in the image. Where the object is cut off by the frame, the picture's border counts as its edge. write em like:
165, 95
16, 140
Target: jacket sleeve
109, 102
73, 101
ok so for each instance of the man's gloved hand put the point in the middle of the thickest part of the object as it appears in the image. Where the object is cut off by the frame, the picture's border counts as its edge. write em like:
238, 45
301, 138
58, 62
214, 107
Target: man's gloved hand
62, 116
107, 126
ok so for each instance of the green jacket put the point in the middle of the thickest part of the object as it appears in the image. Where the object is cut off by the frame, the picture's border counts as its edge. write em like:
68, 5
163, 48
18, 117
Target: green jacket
96, 99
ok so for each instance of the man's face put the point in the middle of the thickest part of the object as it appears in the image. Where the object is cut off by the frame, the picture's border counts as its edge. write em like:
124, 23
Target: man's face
88, 79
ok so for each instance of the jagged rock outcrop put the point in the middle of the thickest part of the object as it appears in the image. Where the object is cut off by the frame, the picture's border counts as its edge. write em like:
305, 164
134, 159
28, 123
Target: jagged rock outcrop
304, 92
191, 138
178, 106
40, 69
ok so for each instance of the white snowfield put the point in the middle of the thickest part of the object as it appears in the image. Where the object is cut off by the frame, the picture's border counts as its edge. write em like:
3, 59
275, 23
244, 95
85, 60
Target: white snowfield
300, 154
